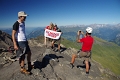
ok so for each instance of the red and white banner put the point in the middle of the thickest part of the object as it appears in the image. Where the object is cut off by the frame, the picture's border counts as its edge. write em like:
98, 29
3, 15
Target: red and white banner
52, 34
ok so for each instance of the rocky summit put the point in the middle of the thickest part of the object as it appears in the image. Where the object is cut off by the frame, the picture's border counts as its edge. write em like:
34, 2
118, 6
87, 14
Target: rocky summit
50, 65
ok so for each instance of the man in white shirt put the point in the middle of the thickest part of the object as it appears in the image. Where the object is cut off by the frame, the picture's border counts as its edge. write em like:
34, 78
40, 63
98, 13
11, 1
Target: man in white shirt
20, 42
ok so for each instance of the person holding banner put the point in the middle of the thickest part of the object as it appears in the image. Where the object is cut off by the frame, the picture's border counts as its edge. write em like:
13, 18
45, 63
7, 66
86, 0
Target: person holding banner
53, 35
56, 40
50, 27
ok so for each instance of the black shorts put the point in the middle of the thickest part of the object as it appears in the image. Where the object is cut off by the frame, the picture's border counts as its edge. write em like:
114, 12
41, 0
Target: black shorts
23, 48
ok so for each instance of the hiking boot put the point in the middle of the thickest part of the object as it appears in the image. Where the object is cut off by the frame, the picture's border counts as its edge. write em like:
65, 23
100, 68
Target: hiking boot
30, 67
59, 51
71, 65
87, 73
24, 71
54, 49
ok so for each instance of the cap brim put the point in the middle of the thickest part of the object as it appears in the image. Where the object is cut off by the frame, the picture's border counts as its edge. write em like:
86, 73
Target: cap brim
88, 32
24, 15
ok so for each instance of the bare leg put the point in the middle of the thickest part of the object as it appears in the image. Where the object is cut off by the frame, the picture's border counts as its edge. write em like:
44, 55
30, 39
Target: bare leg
73, 58
58, 46
45, 40
59, 41
87, 66
52, 44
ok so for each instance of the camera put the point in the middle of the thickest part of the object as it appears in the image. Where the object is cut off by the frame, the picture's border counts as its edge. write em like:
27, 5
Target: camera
80, 31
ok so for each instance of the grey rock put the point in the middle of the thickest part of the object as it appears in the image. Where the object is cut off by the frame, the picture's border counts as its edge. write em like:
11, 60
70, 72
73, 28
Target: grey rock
50, 65
5, 40
36, 72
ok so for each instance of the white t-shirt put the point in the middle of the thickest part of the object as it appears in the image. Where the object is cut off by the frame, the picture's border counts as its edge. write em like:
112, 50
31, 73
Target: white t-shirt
20, 28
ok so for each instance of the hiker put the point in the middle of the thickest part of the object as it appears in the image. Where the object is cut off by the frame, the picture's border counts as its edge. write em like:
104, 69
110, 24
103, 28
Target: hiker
87, 42
56, 40
50, 27
20, 42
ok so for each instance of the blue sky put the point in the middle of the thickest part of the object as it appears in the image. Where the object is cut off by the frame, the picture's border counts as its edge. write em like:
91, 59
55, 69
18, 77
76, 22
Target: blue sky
61, 12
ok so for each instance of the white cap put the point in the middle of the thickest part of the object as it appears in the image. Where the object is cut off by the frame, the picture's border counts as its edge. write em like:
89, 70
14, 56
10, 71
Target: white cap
22, 13
89, 29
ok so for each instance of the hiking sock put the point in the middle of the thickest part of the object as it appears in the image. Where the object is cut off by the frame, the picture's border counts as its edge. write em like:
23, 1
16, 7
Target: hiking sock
22, 67
29, 66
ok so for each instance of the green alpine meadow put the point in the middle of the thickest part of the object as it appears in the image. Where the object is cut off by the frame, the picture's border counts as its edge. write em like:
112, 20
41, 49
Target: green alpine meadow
105, 53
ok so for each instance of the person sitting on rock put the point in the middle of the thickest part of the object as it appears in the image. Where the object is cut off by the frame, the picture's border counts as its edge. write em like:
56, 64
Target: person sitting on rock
87, 42
56, 40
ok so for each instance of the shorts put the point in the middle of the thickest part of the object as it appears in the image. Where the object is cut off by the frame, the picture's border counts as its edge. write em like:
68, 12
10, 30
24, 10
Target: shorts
86, 55
23, 48
58, 41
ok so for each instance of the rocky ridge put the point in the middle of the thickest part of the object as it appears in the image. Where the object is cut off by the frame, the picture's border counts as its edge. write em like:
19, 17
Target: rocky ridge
5, 40
50, 65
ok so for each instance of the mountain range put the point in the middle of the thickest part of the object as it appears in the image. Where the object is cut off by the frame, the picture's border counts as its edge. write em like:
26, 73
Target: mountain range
107, 32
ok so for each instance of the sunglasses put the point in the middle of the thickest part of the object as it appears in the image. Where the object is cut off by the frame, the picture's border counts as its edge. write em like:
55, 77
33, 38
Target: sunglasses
23, 16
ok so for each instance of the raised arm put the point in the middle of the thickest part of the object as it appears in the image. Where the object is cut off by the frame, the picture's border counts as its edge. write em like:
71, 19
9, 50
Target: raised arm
78, 36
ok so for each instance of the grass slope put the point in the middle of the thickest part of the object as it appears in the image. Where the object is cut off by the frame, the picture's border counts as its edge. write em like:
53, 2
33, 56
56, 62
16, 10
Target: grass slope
106, 53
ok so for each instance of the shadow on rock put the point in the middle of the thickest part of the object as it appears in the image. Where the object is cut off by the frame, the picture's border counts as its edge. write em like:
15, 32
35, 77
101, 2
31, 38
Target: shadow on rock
46, 60
83, 66
62, 48
38, 65
50, 57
